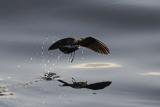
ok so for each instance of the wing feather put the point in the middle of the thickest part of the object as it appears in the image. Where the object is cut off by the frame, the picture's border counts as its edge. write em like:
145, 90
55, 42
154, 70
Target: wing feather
95, 45
61, 43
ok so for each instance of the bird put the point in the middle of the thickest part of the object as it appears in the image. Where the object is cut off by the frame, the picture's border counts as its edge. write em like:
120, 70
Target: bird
70, 45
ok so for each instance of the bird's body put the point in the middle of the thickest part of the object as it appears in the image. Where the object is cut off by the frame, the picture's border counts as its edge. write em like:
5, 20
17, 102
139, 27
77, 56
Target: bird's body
70, 45
68, 49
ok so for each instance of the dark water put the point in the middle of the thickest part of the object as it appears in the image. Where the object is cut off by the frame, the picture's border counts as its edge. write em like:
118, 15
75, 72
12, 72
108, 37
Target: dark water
129, 28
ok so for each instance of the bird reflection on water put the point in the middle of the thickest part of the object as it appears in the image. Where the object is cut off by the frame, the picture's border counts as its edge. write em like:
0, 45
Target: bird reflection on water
79, 85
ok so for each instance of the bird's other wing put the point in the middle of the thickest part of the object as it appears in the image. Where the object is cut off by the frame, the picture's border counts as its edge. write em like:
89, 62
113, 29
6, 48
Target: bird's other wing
99, 85
95, 45
61, 43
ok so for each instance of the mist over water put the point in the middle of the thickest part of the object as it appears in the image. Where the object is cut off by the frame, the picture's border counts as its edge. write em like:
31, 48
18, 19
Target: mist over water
129, 28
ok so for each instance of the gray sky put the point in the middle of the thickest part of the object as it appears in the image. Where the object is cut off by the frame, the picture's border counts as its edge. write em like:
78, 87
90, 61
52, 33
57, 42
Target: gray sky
131, 30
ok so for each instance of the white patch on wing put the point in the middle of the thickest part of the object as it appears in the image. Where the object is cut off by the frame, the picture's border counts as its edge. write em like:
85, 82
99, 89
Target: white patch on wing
96, 65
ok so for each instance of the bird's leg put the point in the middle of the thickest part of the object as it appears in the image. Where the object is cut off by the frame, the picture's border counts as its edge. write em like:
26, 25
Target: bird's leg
70, 57
73, 56
73, 80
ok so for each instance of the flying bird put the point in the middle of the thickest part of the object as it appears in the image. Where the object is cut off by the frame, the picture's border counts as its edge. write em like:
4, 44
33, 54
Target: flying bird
70, 45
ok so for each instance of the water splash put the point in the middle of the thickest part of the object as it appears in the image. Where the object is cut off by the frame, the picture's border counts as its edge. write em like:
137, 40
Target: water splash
49, 60
31, 58
82, 52
4, 92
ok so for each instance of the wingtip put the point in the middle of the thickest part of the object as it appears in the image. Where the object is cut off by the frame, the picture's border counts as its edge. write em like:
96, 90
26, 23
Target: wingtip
107, 53
49, 49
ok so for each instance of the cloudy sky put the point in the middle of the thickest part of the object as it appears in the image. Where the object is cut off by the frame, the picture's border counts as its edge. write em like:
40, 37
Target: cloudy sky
130, 28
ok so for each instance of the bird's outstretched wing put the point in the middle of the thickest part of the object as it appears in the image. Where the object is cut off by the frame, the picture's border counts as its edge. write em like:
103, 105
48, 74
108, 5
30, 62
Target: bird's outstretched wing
99, 85
95, 45
61, 43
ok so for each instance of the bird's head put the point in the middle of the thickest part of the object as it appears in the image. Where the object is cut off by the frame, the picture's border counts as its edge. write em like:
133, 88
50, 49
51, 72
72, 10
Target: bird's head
79, 40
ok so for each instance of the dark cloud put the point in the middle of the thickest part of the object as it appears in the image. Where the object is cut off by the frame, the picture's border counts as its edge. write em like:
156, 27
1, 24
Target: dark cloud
121, 17
82, 13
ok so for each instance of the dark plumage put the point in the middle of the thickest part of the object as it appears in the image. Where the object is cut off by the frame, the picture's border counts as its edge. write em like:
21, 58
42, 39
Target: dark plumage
70, 45
79, 85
